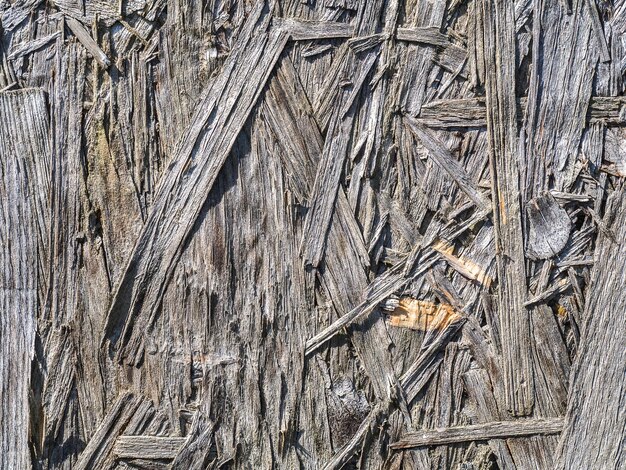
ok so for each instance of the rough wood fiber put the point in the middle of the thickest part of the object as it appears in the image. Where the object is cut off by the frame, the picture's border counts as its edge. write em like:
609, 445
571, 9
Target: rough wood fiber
559, 92
593, 434
480, 432
185, 186
335, 151
500, 56
286, 103
312, 234
23, 153
147, 447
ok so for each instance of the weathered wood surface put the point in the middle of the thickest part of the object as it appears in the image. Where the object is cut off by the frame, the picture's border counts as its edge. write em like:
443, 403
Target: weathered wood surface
312, 234
147, 447
23, 180
479, 432
500, 82
597, 401
186, 184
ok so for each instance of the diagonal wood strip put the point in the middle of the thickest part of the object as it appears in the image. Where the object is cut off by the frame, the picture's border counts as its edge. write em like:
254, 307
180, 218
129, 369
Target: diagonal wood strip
184, 187
330, 167
103, 441
442, 157
86, 40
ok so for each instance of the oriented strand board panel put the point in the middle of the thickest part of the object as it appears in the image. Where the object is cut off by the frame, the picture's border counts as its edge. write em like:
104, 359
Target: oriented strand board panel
312, 234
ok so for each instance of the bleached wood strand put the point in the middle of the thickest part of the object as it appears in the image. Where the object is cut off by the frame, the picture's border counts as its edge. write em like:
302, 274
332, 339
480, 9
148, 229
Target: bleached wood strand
471, 112
147, 447
86, 40
480, 432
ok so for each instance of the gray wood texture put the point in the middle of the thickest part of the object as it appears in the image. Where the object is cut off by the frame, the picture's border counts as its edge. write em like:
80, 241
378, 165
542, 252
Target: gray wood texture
23, 180
596, 405
304, 234
478, 432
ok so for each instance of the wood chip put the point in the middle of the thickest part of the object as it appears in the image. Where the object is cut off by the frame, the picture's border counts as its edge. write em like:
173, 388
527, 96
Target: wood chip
479, 432
549, 227
422, 315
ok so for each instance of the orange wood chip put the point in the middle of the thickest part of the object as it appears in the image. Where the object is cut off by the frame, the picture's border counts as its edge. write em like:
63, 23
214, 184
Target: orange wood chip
422, 315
